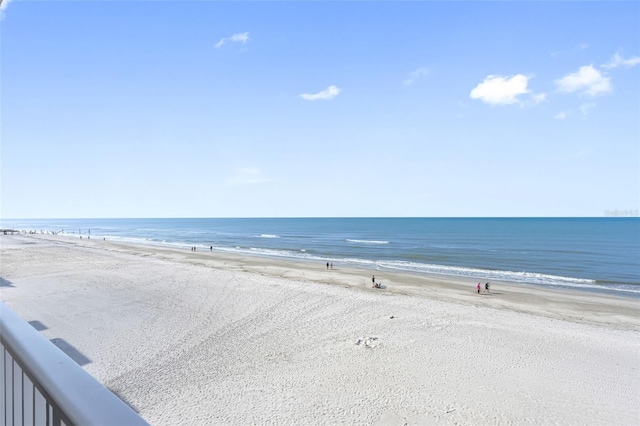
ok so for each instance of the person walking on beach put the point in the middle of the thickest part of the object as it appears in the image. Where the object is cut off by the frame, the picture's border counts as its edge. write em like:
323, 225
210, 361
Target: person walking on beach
486, 287
478, 288
327, 265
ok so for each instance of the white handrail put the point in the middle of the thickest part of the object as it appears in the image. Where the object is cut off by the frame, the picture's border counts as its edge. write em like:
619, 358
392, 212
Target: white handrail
77, 394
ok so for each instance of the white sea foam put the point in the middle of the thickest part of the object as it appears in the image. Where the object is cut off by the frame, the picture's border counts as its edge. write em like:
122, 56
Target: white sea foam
268, 236
127, 239
367, 241
176, 244
278, 253
485, 274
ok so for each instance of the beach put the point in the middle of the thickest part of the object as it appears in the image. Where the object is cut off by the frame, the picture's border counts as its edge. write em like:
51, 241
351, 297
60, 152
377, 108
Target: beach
214, 338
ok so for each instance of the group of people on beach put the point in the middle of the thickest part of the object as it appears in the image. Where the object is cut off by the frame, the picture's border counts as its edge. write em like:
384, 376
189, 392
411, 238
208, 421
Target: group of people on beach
479, 287
193, 248
329, 265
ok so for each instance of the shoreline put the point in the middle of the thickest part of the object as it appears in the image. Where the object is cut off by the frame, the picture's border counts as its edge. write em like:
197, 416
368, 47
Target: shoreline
549, 278
578, 305
202, 338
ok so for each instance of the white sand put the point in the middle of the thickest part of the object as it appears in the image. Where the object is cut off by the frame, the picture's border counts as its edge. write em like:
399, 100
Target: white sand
207, 338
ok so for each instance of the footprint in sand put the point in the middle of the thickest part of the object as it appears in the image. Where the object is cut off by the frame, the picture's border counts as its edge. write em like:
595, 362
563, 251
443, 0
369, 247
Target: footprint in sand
368, 342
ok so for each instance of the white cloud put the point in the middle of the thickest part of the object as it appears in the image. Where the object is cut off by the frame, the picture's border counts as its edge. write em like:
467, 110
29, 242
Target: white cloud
3, 8
413, 75
585, 108
561, 115
587, 80
330, 93
247, 176
618, 61
240, 37
499, 90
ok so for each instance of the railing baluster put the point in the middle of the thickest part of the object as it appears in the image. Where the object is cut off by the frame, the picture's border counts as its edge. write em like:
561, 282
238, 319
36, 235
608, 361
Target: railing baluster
40, 404
13, 399
56, 416
33, 391
3, 393
28, 400
17, 394
22, 397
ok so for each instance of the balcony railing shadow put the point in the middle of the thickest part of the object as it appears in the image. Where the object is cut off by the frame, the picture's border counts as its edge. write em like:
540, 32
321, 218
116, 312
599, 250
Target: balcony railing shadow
71, 351
38, 325
5, 283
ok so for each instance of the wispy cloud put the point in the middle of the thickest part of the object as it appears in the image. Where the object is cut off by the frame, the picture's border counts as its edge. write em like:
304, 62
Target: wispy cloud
247, 176
537, 98
618, 61
413, 75
561, 115
585, 108
579, 47
238, 38
330, 93
499, 90
570, 157
587, 80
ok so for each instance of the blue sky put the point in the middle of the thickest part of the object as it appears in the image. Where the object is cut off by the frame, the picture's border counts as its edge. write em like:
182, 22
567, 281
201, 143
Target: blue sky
312, 109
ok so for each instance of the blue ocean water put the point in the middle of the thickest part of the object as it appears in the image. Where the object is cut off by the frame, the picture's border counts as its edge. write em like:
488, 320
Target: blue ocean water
598, 254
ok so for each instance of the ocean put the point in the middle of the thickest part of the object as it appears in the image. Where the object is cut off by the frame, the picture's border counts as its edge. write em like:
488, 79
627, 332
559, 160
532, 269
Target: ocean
593, 254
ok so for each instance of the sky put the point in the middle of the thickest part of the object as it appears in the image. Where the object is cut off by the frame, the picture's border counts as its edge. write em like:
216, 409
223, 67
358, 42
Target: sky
319, 109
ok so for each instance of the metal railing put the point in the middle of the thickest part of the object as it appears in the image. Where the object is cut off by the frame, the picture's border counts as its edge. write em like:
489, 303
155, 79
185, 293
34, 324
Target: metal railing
41, 385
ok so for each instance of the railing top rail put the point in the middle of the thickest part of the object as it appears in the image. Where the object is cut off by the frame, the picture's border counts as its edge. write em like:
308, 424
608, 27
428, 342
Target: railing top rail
83, 399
